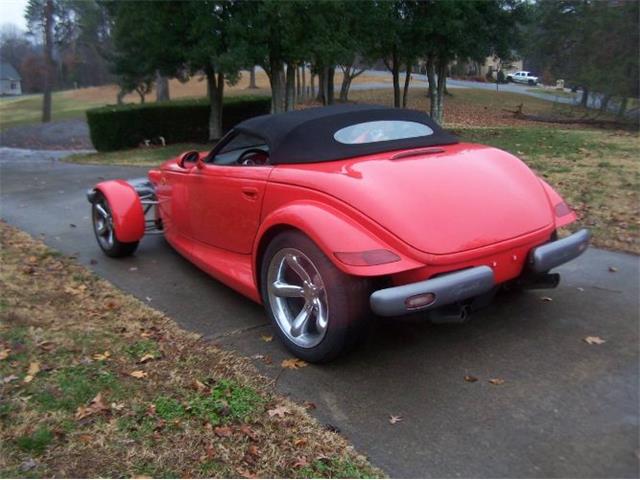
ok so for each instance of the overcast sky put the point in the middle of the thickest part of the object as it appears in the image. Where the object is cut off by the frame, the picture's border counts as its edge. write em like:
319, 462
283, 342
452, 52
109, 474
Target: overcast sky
12, 11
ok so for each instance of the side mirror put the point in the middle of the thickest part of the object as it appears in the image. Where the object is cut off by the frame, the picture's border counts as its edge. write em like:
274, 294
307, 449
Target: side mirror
188, 157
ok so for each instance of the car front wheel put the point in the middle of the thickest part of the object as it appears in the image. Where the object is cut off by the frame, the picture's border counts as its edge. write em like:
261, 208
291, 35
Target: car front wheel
317, 310
105, 231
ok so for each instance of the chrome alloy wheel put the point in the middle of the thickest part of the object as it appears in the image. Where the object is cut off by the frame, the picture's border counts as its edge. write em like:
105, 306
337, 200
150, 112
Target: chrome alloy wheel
297, 297
103, 224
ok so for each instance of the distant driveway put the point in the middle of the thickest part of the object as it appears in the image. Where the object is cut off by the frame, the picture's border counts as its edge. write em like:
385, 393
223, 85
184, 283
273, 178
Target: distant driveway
59, 135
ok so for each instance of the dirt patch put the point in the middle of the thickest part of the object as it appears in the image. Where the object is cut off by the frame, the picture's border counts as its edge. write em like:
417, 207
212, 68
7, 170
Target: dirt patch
96, 384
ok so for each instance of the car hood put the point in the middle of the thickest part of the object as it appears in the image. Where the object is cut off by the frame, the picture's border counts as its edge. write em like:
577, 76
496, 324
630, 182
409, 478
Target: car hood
449, 200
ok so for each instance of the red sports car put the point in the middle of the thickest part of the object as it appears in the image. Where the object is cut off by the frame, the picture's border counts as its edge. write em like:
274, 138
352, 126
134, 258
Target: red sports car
329, 214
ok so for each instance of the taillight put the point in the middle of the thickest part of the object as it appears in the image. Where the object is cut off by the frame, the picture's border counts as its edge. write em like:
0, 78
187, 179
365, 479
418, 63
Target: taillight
367, 258
562, 209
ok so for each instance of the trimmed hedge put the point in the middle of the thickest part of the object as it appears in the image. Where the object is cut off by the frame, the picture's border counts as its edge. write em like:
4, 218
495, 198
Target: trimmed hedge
117, 127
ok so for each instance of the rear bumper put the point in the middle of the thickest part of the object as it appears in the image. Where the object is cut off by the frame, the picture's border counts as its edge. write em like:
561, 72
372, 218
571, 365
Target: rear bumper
552, 254
447, 289
465, 284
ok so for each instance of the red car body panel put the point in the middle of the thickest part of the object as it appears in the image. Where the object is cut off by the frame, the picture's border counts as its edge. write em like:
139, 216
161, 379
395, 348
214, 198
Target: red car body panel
459, 206
128, 216
439, 203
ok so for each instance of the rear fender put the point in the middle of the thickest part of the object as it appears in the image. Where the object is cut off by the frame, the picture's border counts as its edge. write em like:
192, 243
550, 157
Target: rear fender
332, 231
126, 209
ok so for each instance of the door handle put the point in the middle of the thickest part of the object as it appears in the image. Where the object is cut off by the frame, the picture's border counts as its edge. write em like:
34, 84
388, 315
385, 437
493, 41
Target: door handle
250, 193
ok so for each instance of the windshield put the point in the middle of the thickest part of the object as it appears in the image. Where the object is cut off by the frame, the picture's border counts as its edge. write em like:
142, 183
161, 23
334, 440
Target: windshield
381, 131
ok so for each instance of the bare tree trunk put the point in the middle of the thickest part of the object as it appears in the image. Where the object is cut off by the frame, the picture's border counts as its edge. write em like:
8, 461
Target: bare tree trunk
120, 96
331, 72
313, 85
290, 88
322, 86
585, 97
394, 67
622, 109
304, 84
162, 87
252, 77
604, 103
431, 78
442, 80
278, 87
407, 80
346, 82
48, 60
140, 91
298, 85
215, 91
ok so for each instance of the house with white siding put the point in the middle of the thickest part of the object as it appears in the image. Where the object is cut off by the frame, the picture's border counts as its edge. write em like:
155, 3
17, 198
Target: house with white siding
10, 80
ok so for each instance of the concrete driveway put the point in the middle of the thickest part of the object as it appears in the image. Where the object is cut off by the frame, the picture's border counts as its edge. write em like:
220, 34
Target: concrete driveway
566, 409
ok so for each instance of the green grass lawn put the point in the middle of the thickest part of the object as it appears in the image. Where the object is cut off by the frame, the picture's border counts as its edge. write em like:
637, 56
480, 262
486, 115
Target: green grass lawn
28, 109
97, 384
553, 92
142, 157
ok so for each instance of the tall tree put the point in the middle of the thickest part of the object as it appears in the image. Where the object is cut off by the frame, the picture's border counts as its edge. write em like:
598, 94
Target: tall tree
40, 15
589, 43
451, 30
178, 39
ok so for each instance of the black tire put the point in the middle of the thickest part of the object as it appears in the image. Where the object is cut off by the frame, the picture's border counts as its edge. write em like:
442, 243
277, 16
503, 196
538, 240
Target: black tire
509, 80
111, 247
347, 299
531, 82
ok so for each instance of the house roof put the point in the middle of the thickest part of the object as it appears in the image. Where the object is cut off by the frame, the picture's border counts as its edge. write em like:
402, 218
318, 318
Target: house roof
309, 135
7, 72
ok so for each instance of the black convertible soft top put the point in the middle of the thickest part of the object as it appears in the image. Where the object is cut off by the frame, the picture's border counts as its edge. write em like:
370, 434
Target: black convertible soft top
307, 136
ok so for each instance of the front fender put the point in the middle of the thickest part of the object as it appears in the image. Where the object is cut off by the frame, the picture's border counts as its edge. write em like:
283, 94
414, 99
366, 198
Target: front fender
332, 231
126, 209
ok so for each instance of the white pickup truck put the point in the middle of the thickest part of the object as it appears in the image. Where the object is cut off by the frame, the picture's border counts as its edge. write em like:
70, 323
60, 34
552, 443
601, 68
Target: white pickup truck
522, 77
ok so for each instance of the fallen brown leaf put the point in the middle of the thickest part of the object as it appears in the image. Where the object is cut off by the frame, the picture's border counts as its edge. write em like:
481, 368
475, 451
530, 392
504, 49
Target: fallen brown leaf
293, 363
34, 368
248, 431
496, 381
138, 374
9, 378
95, 406
75, 290
101, 356
470, 378
279, 411
199, 386
309, 405
300, 462
594, 340
393, 419
146, 357
244, 473
4, 353
300, 442
266, 338
222, 431
46, 345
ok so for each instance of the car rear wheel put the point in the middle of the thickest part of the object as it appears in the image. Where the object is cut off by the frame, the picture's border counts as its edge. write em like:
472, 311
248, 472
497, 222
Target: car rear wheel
318, 311
105, 232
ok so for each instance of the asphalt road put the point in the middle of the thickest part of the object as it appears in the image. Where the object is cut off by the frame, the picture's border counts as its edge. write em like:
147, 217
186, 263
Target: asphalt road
566, 409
